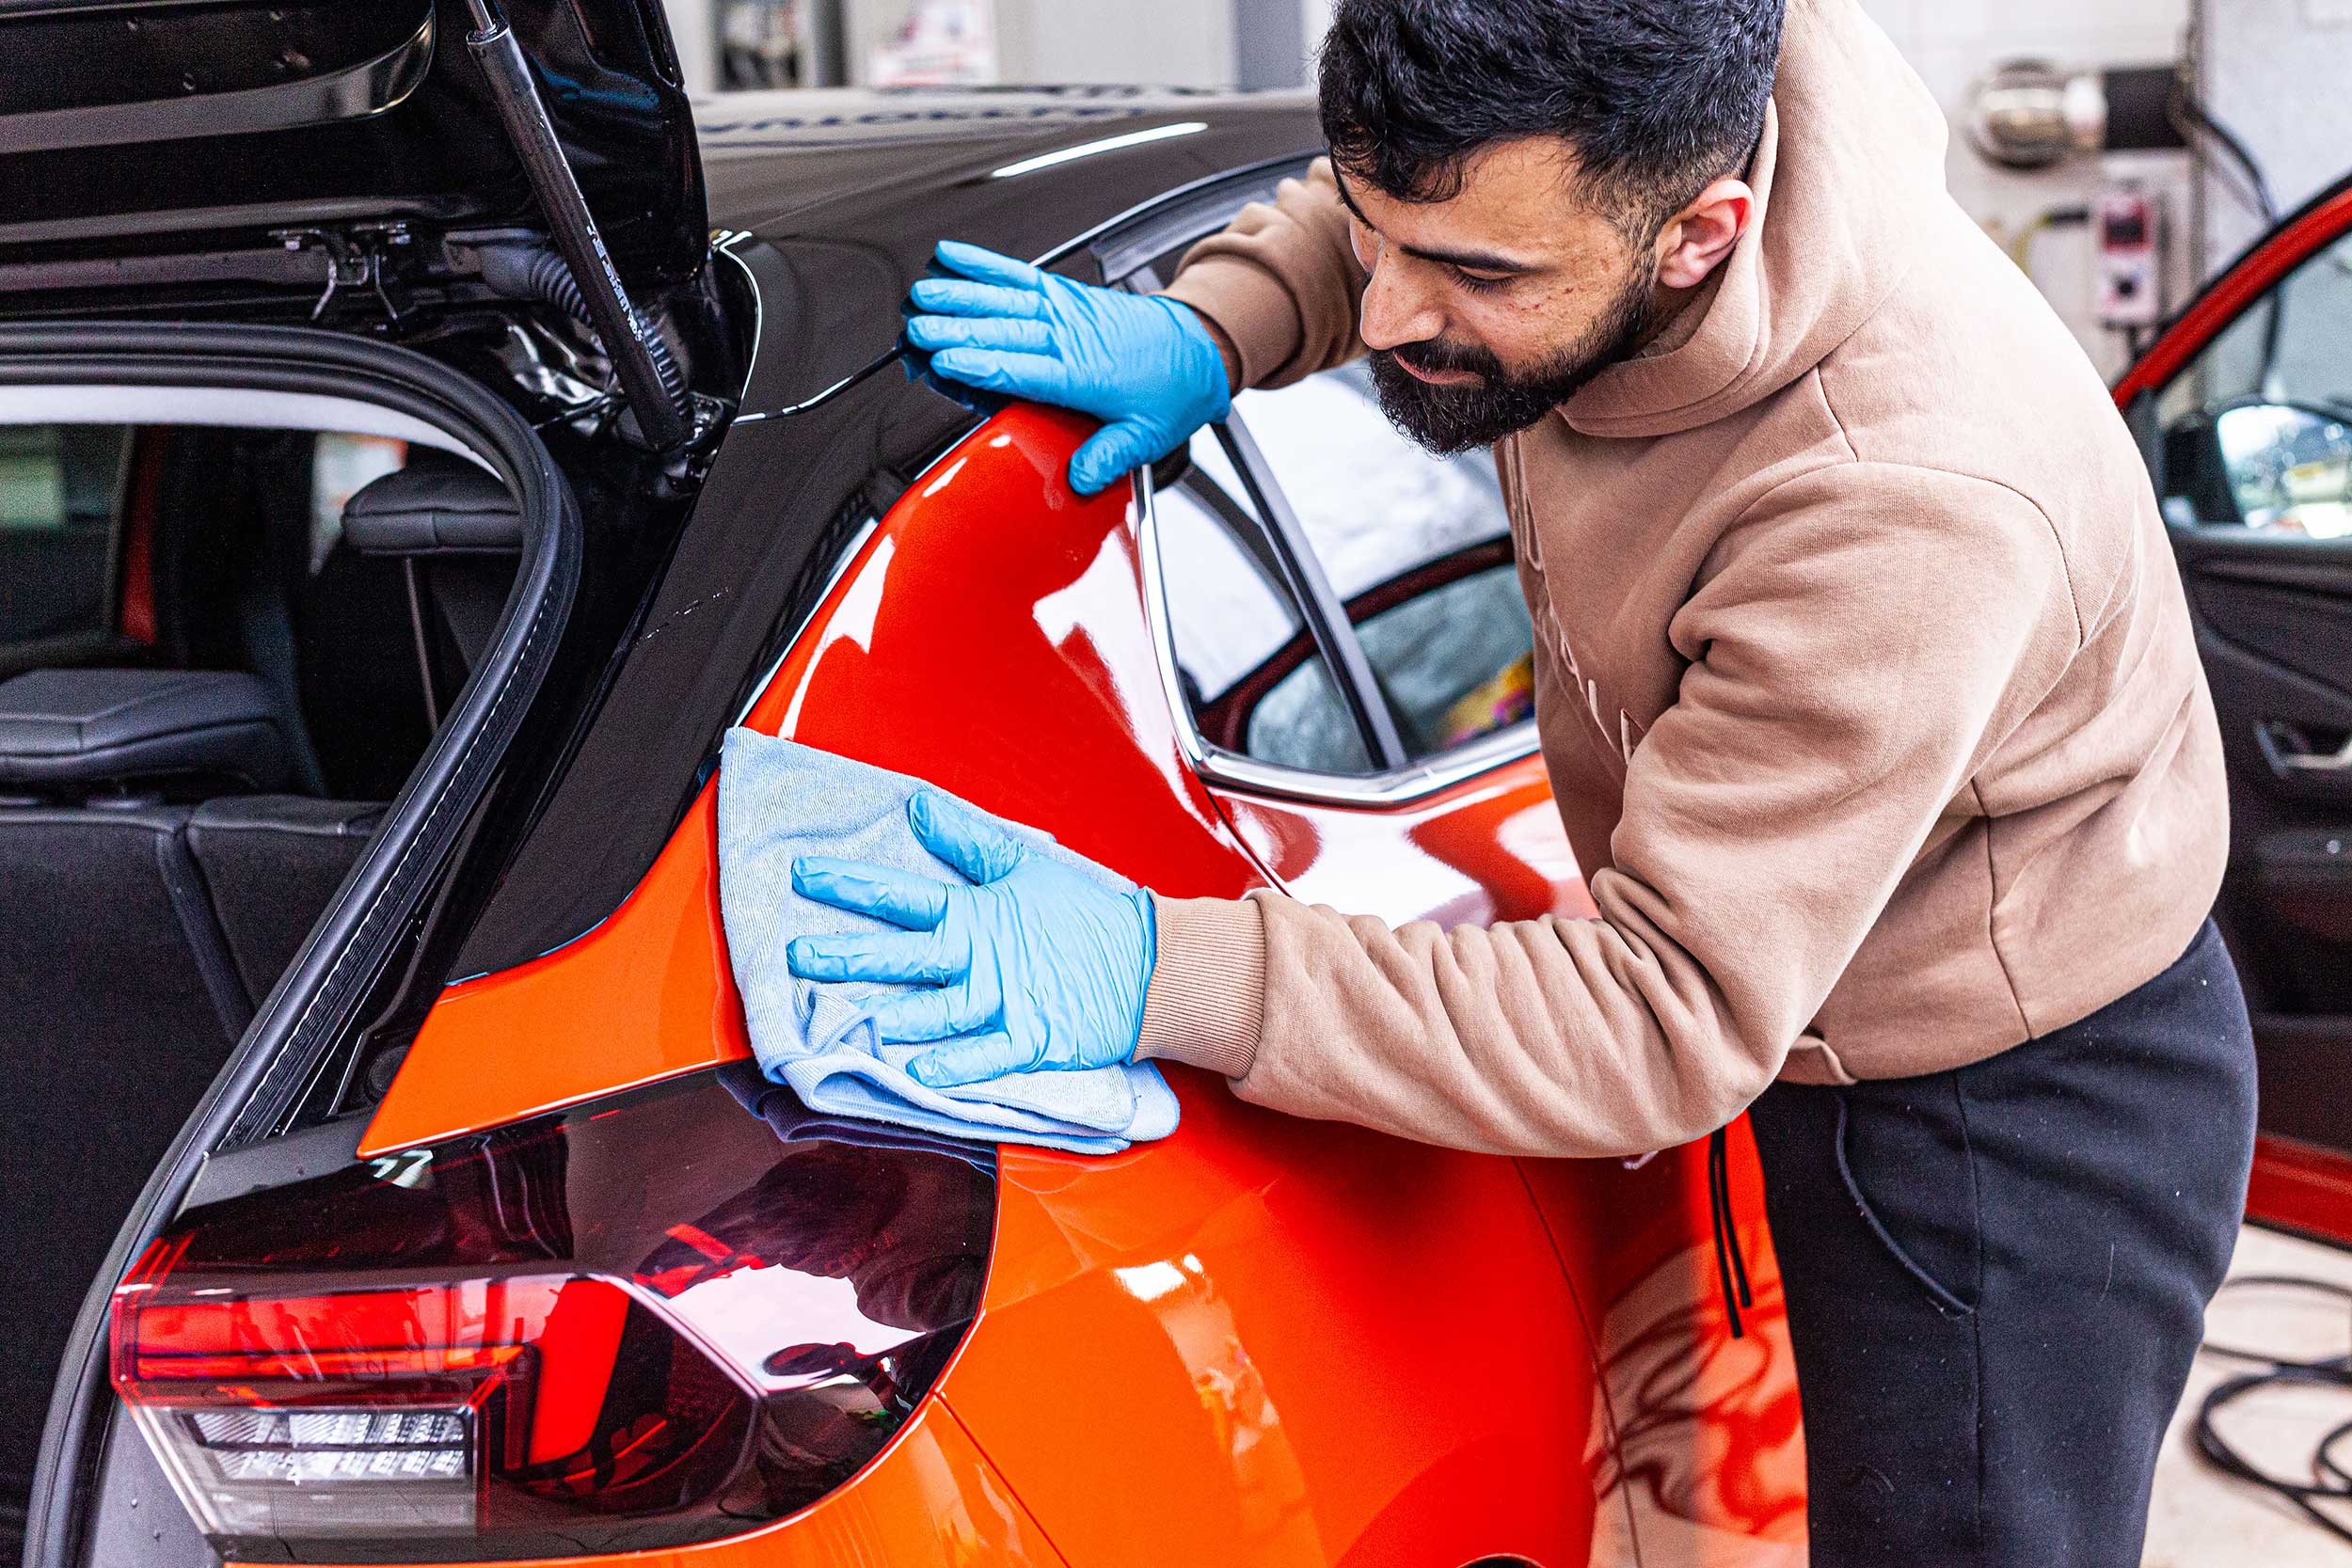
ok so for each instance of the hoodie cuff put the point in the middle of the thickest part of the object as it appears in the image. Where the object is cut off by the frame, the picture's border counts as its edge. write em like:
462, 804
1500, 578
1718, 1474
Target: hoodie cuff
1206, 1000
1257, 314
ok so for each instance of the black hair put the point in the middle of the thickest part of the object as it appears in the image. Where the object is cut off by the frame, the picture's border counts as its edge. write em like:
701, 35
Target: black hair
1655, 97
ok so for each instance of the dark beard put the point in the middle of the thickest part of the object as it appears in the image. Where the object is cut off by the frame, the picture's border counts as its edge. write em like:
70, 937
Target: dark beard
1450, 420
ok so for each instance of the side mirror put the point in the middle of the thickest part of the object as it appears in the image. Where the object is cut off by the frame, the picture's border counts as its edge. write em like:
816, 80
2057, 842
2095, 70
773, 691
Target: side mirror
2288, 467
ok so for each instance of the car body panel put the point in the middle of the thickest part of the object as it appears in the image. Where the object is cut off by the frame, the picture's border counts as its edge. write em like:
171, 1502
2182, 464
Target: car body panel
1282, 1342
1226, 1299
1713, 1469
885, 674
831, 254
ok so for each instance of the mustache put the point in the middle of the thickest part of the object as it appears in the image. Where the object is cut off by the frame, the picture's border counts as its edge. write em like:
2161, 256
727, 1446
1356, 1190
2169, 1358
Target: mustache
1438, 355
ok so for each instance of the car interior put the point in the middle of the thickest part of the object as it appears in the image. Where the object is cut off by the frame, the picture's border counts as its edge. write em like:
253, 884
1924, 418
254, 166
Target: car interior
221, 652
2251, 447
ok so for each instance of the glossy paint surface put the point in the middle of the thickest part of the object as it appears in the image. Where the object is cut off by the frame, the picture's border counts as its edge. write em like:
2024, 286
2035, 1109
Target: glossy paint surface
1262, 1339
1713, 1463
234, 97
847, 215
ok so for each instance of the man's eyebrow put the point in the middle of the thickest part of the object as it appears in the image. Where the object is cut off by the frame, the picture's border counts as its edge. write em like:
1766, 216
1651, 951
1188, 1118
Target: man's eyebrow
1472, 261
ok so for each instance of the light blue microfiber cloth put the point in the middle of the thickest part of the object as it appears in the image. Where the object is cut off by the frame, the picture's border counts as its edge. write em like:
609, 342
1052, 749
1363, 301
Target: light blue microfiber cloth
779, 799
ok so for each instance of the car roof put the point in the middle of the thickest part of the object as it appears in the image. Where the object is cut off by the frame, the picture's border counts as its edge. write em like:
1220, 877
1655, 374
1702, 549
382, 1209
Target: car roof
1022, 170
854, 187
805, 158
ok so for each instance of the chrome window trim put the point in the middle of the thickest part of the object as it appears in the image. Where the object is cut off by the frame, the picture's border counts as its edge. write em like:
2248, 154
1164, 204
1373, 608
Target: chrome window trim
1397, 787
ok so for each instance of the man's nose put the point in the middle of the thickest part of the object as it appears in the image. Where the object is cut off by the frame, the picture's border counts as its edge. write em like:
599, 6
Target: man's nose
1395, 311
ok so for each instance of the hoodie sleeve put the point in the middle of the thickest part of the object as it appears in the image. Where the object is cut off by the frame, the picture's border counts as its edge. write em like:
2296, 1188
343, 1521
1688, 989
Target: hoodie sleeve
1846, 680
1282, 282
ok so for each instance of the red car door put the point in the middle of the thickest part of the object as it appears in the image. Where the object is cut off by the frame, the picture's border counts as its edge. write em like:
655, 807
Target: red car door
2244, 411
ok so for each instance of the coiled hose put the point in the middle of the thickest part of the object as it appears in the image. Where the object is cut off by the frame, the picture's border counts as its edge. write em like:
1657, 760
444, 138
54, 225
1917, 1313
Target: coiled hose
537, 273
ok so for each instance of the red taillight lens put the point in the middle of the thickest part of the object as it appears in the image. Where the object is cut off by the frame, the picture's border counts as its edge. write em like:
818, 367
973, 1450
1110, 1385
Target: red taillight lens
498, 1343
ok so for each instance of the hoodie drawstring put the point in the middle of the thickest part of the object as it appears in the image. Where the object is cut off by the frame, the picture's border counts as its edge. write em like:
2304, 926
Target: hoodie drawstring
1729, 1266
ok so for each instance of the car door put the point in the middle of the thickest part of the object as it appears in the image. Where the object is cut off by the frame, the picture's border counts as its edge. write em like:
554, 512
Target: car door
1374, 746
2244, 410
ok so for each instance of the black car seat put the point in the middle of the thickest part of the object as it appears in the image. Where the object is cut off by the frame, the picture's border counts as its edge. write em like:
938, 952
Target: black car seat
458, 535
271, 862
151, 894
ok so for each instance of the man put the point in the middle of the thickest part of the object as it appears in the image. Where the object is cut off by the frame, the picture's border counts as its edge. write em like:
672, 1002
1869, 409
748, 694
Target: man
1867, 691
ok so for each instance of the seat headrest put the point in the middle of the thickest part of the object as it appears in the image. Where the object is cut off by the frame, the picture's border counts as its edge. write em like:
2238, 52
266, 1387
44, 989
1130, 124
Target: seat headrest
440, 504
71, 729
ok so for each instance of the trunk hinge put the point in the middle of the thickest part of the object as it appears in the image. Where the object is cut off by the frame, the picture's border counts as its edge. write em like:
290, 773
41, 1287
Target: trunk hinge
662, 416
355, 258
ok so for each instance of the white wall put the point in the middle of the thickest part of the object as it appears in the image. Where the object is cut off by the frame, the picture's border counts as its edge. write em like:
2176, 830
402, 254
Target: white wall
2297, 122
1952, 43
1163, 42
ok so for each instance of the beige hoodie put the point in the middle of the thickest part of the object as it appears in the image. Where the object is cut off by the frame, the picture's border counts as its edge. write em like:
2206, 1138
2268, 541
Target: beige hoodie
1863, 677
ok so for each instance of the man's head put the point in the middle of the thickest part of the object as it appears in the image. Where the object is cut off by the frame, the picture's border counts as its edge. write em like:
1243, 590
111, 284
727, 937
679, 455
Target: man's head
1533, 185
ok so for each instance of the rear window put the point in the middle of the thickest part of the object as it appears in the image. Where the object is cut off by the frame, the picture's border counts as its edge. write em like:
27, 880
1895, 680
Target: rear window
61, 510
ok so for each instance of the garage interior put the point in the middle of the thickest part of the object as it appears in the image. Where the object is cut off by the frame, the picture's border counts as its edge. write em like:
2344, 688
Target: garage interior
2122, 151
333, 585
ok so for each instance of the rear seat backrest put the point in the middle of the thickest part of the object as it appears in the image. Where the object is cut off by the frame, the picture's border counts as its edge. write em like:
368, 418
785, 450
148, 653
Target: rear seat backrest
120, 991
118, 1004
272, 863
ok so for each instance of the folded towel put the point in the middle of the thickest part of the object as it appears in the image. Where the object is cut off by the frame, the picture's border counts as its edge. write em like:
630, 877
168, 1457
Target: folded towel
779, 799
780, 1108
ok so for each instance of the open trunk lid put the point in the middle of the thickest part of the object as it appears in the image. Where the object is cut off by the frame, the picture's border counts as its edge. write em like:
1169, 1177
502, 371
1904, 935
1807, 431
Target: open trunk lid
130, 129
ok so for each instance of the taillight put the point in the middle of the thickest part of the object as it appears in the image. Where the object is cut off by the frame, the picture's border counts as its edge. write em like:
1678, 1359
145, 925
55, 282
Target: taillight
639, 1323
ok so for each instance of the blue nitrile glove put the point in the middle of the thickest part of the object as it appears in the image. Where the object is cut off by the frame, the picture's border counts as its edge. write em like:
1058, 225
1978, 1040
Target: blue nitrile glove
1145, 364
1039, 964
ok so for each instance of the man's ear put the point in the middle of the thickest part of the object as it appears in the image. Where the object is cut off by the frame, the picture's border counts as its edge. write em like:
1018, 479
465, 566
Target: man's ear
1695, 240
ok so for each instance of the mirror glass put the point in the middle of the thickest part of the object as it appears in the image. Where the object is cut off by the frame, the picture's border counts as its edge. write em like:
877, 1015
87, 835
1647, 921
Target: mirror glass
2290, 468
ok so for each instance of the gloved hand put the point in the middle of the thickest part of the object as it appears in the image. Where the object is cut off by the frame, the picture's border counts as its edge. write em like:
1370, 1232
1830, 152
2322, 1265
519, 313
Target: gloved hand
1146, 364
1038, 963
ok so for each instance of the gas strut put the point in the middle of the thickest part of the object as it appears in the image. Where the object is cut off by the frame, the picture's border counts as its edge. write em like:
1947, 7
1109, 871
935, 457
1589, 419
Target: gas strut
659, 415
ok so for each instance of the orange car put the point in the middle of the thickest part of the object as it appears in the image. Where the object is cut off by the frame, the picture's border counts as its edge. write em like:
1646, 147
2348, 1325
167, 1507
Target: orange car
400, 565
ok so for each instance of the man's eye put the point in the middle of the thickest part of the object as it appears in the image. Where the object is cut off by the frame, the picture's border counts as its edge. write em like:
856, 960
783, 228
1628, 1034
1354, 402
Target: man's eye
1478, 282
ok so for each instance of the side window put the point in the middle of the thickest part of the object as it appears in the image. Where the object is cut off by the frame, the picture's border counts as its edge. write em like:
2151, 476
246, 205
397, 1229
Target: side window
2256, 431
1417, 548
60, 490
1256, 683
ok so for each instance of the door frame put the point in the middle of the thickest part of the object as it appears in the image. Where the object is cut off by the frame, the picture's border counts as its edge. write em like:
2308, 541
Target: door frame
2296, 1186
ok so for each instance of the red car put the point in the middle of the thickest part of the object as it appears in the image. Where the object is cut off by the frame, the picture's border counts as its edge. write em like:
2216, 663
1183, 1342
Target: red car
392, 572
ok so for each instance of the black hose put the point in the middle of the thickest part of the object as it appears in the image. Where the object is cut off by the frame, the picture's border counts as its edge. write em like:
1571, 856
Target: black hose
2197, 126
537, 273
2330, 1480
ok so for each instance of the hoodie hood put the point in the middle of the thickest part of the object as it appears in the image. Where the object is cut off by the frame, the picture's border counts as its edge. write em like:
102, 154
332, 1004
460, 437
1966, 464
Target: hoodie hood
1849, 180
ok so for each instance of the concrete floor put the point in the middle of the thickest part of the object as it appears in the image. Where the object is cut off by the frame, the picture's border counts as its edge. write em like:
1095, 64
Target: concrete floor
2202, 1518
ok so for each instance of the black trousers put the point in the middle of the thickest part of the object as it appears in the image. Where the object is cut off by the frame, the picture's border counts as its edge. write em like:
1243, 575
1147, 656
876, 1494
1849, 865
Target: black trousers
1996, 1277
